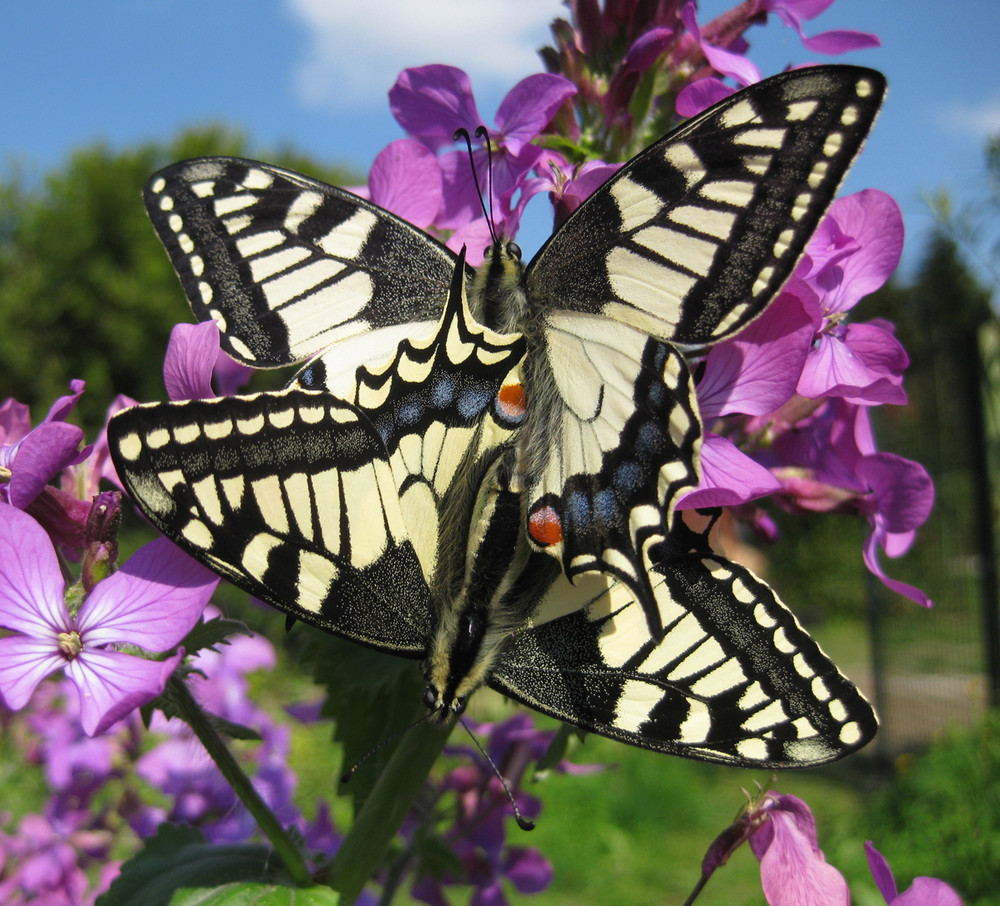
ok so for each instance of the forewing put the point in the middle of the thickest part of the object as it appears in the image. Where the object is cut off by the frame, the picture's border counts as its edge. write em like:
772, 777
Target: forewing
734, 679
291, 497
287, 265
693, 237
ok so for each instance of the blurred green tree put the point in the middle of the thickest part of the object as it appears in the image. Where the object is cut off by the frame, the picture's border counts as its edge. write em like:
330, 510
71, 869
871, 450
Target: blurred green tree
86, 290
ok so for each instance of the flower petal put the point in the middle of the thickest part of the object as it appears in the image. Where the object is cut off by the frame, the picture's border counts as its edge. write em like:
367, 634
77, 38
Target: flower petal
406, 179
529, 106
528, 869
191, 355
31, 583
112, 684
928, 892
24, 663
757, 371
793, 872
432, 102
870, 553
152, 601
728, 477
903, 490
881, 873
45, 452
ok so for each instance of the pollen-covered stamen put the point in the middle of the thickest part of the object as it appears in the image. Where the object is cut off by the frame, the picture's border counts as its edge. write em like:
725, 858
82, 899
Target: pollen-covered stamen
70, 644
545, 526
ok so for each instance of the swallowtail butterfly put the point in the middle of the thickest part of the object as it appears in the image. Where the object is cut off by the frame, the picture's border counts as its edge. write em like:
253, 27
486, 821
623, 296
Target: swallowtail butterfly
479, 468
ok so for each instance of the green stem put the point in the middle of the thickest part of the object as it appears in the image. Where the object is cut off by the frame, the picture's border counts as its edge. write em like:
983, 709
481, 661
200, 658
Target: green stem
380, 817
702, 881
193, 715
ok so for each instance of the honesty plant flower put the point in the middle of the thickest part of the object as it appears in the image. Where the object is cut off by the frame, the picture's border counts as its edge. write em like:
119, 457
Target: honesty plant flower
151, 602
432, 102
34, 456
853, 252
829, 463
406, 179
923, 892
752, 374
793, 869
792, 12
194, 357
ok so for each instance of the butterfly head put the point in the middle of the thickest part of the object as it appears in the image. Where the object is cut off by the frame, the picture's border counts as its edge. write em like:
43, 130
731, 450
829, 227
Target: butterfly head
498, 292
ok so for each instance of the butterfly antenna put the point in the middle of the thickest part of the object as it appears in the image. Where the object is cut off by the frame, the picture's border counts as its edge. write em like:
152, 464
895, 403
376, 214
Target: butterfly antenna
522, 822
483, 133
349, 773
463, 135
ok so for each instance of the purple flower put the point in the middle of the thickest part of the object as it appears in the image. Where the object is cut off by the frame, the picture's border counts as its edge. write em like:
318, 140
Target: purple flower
151, 602
923, 892
829, 463
406, 179
478, 837
853, 252
184, 771
793, 869
727, 62
792, 12
568, 186
34, 456
752, 374
432, 102
194, 357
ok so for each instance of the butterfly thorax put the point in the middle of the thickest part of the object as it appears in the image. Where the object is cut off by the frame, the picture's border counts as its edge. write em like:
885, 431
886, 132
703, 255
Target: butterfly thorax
498, 297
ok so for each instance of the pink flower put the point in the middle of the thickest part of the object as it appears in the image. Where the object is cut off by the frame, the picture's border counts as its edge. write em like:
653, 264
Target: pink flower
853, 252
923, 891
151, 602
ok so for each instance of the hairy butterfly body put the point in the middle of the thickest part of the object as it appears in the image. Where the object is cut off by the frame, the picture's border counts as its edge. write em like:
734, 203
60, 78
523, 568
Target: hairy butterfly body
479, 469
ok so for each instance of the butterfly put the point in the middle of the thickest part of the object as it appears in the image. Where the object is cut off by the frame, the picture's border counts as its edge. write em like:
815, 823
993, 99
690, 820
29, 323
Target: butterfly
479, 468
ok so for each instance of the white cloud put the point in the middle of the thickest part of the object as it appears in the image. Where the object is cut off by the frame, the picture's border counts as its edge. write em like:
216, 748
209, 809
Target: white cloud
981, 120
358, 47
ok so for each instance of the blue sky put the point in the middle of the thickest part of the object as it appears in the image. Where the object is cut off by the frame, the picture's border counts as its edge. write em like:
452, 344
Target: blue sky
313, 74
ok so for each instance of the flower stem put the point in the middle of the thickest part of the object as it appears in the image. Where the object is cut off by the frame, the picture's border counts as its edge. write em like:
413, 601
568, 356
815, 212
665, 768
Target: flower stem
192, 714
380, 817
702, 881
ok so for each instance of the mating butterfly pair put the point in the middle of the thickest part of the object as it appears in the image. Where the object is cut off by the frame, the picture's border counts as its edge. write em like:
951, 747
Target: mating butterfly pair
479, 469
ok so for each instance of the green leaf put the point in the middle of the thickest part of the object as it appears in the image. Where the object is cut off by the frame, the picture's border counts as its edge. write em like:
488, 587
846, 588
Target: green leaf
372, 696
170, 708
211, 633
178, 857
242, 894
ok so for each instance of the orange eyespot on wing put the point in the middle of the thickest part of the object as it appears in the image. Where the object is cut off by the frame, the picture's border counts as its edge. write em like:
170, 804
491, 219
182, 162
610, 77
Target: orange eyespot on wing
512, 401
545, 526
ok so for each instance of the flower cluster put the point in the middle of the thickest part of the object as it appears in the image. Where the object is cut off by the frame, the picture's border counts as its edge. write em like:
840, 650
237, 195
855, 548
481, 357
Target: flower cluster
478, 808
786, 403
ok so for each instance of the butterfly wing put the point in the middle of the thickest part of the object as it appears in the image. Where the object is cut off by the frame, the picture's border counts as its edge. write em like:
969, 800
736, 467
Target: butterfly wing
735, 678
287, 265
291, 497
693, 237
611, 449
687, 243
336, 511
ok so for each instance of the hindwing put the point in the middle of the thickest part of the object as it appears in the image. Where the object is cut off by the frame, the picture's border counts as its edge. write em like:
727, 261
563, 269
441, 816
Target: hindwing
334, 510
734, 678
